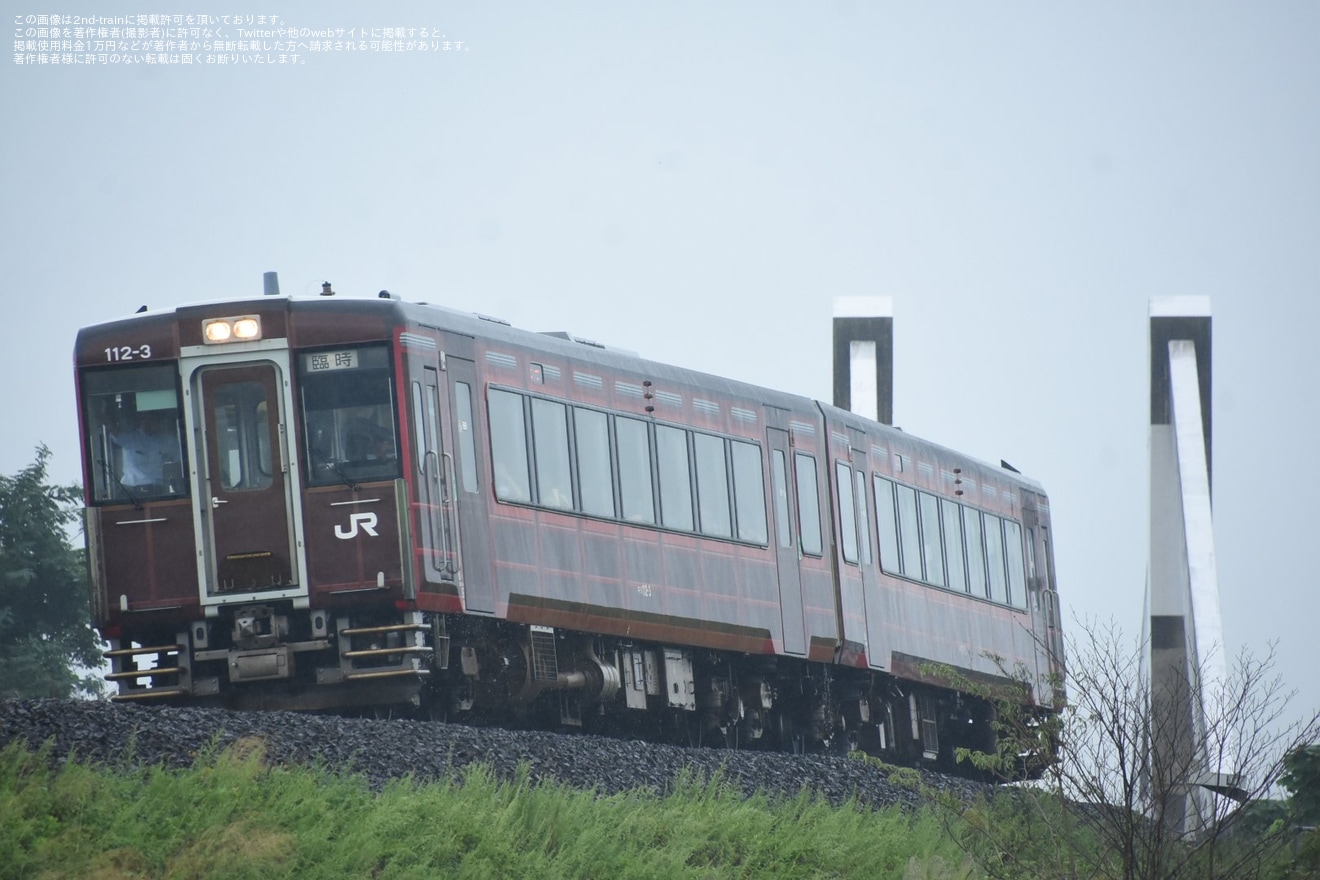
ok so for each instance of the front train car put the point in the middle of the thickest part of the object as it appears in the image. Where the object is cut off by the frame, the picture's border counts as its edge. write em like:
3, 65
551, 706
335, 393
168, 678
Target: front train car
236, 458
325, 503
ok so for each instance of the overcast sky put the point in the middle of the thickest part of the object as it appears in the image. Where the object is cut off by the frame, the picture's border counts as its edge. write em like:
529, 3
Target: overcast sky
697, 180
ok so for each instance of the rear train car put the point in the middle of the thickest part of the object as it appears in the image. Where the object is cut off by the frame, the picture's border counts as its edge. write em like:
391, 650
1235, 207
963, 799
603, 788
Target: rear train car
335, 503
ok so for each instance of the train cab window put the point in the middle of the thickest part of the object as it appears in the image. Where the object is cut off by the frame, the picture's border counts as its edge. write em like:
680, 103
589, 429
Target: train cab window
932, 547
554, 480
886, 526
134, 431
635, 488
909, 533
779, 480
348, 417
804, 466
954, 561
1017, 583
847, 512
994, 557
712, 486
671, 449
508, 446
467, 446
591, 431
749, 492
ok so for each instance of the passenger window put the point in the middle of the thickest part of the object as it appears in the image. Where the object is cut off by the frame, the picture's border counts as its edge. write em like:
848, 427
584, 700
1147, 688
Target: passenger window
749, 492
712, 486
508, 445
635, 470
595, 472
932, 548
908, 532
675, 478
808, 503
886, 525
779, 478
975, 552
994, 557
554, 480
951, 513
847, 512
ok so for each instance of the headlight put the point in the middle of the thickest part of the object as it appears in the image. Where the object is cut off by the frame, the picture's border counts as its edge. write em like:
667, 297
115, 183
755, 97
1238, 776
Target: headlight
240, 328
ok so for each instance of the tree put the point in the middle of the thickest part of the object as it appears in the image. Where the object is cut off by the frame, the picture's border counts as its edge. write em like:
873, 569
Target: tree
45, 629
1108, 805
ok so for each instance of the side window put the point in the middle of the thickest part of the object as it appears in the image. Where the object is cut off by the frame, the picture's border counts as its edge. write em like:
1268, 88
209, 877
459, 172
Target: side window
994, 557
847, 512
808, 503
932, 548
508, 446
595, 473
467, 447
779, 480
908, 532
886, 525
749, 492
712, 486
1017, 583
951, 513
554, 480
975, 552
675, 478
634, 443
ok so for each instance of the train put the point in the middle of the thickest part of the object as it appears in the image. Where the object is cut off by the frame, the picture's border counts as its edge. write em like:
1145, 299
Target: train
365, 504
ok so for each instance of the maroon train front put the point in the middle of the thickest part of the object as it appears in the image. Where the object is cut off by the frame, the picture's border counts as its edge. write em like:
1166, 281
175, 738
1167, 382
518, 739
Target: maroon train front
337, 503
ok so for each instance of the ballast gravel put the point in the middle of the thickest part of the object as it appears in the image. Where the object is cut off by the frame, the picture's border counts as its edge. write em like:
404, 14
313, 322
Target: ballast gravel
381, 750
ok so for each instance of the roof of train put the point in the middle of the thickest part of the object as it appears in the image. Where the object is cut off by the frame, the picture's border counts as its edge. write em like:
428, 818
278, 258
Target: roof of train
488, 327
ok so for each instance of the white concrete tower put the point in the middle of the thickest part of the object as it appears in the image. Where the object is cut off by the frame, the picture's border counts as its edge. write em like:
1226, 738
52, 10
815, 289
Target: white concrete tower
864, 356
1187, 660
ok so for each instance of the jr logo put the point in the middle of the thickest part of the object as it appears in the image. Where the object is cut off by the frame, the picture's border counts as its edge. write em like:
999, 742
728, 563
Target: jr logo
366, 520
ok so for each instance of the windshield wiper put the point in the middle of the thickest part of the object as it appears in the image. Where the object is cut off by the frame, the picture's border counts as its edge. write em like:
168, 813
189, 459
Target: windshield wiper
137, 505
339, 472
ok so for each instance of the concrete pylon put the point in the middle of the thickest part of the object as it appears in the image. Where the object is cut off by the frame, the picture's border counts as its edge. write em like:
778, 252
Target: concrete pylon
1186, 631
864, 356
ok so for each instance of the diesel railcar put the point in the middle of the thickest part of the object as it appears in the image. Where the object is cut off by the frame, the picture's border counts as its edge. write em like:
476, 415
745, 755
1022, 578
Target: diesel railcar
342, 503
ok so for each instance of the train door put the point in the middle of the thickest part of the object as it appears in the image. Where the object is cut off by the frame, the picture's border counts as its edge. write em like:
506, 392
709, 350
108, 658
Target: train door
871, 605
466, 469
434, 476
786, 552
1043, 559
245, 478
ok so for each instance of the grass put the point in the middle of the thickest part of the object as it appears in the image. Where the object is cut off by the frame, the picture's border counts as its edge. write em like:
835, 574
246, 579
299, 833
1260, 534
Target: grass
232, 816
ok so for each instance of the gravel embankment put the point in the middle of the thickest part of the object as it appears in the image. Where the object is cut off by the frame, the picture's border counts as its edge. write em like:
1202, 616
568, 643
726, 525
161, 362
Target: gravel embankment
386, 749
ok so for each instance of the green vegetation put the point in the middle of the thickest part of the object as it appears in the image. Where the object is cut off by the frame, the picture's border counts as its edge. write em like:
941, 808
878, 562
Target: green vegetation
45, 618
231, 816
